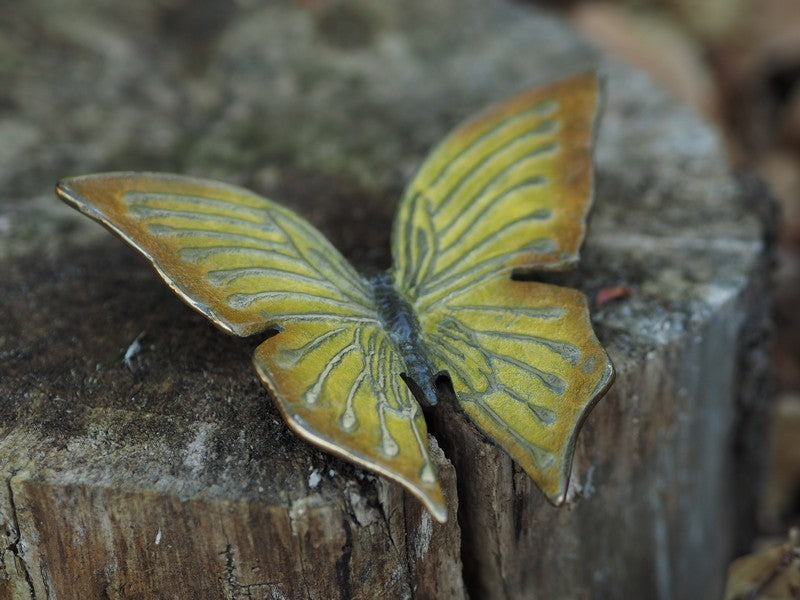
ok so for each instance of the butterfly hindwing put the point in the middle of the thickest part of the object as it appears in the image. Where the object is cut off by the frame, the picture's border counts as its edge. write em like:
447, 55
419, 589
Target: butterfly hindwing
508, 191
344, 383
526, 367
251, 265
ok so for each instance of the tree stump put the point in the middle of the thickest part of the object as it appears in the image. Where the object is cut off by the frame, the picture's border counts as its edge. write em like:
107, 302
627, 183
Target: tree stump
141, 458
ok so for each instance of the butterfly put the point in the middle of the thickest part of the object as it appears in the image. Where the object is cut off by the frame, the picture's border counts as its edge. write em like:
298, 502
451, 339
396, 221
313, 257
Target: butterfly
352, 359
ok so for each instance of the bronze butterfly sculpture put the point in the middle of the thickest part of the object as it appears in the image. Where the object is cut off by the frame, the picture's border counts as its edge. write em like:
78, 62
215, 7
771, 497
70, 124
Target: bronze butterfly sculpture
506, 193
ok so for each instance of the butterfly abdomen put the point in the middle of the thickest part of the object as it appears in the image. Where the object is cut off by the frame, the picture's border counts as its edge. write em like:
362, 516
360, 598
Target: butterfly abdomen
401, 324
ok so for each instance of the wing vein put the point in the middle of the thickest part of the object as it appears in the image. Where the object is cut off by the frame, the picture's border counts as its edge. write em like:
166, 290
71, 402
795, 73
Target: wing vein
196, 253
150, 214
453, 192
322, 316
231, 274
243, 299
550, 380
310, 233
569, 352
538, 215
543, 109
148, 198
162, 230
311, 395
543, 457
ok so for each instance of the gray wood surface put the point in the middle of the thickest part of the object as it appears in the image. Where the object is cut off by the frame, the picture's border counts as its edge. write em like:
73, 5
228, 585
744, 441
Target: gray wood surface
139, 455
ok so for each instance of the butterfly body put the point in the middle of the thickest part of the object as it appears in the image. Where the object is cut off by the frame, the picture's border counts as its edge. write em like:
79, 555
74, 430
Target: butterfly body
355, 358
401, 323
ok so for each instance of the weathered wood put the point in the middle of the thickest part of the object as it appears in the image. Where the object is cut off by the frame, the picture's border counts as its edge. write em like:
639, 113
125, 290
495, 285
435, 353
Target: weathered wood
167, 471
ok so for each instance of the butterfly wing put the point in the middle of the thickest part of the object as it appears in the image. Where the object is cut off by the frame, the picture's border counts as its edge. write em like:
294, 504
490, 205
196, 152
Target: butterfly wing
251, 265
526, 366
245, 262
340, 382
508, 191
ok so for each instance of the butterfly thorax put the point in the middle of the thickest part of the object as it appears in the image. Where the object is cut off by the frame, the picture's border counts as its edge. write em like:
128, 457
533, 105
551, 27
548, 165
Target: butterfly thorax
400, 321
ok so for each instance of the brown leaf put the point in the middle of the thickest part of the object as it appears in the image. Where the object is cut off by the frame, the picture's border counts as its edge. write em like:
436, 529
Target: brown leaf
772, 574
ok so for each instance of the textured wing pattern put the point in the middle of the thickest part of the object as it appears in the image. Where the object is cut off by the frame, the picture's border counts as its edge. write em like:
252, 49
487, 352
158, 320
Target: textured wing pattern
525, 366
245, 262
508, 189
341, 388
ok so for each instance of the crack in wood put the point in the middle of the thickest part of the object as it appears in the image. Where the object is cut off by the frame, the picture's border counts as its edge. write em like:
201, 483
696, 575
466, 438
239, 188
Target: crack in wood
236, 587
343, 563
13, 547
300, 553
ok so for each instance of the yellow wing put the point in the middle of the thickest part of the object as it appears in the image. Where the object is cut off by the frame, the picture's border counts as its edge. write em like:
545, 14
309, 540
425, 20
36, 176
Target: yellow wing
339, 382
525, 365
250, 266
240, 259
508, 191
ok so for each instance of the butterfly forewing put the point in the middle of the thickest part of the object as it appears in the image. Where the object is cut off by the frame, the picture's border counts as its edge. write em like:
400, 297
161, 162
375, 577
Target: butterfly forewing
251, 265
245, 262
507, 190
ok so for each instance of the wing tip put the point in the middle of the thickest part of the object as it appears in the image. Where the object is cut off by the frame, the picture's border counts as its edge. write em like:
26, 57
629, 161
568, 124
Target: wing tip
66, 193
585, 76
74, 189
438, 512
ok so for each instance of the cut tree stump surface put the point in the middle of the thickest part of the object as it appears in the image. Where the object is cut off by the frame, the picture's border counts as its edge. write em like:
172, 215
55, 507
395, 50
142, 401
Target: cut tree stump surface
140, 456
